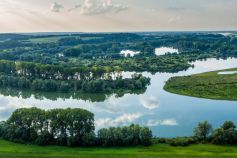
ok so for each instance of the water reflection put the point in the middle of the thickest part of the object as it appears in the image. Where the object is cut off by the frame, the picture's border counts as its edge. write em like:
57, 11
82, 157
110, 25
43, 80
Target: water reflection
149, 102
227, 72
129, 53
92, 97
167, 114
165, 50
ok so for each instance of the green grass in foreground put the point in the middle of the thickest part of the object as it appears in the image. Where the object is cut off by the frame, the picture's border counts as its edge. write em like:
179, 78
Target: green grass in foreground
209, 85
12, 150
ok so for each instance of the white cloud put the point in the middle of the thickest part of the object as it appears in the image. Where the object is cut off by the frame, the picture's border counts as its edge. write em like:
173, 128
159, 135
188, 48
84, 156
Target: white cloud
149, 102
94, 7
153, 123
165, 122
168, 122
122, 120
214, 64
56, 7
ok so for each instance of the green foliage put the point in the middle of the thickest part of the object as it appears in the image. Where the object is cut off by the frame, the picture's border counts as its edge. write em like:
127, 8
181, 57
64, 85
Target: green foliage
73, 52
42, 59
178, 141
92, 97
88, 50
75, 127
48, 78
206, 85
68, 127
56, 126
125, 136
137, 82
181, 141
226, 134
203, 131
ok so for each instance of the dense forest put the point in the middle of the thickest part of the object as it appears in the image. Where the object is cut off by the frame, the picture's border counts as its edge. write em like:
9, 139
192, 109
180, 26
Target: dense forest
50, 78
99, 50
137, 82
92, 63
68, 127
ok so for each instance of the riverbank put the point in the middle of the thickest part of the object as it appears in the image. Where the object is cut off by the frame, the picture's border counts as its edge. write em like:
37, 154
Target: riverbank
13, 150
219, 85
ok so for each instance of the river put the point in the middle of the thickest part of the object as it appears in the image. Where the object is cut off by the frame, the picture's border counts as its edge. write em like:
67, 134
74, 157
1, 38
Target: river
168, 115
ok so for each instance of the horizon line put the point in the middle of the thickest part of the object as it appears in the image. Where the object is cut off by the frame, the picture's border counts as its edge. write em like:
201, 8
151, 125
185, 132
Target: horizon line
85, 32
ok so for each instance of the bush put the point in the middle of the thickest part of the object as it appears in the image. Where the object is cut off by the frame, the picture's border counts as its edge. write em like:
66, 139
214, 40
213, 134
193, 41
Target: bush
125, 136
180, 141
227, 134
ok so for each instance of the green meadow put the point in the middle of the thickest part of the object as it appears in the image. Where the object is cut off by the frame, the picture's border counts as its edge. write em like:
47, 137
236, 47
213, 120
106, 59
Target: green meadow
211, 85
12, 150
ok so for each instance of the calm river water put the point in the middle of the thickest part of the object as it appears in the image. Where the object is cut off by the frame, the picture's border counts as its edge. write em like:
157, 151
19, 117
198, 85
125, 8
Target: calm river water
168, 115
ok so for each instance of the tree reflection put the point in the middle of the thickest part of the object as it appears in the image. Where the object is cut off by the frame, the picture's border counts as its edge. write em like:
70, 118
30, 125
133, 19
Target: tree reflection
92, 97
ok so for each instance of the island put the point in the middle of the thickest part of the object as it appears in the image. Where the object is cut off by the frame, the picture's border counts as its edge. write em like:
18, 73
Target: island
219, 85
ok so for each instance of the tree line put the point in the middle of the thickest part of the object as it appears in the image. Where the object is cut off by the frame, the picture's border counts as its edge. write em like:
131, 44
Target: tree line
226, 134
75, 127
45, 71
51, 78
68, 127
91, 97
137, 82
104, 49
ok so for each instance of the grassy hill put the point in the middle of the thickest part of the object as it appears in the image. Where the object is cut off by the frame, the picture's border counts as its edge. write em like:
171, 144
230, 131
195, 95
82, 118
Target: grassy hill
211, 85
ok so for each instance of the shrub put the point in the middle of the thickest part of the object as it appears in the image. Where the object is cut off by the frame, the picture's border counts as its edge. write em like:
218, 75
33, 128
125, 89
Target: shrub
182, 141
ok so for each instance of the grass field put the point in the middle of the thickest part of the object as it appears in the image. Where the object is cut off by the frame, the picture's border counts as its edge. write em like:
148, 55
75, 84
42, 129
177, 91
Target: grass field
211, 85
12, 150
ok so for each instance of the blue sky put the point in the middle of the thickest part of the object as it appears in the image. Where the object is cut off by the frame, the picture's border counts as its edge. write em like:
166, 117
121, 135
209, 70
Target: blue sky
117, 15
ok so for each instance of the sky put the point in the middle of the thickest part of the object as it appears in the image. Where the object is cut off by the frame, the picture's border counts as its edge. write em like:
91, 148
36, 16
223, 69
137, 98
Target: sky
117, 15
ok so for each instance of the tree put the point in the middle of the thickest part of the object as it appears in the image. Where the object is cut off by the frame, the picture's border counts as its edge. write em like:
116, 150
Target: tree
145, 136
226, 134
72, 52
203, 131
228, 125
74, 127
125, 136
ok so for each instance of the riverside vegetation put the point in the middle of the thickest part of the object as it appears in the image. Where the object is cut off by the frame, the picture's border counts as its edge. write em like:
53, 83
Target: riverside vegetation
92, 63
75, 128
68, 127
99, 50
212, 85
88, 62
49, 78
